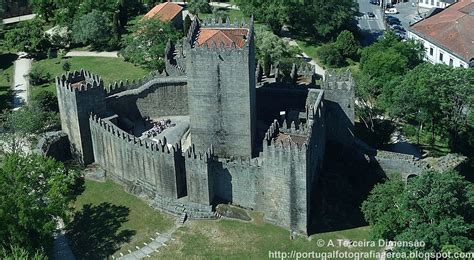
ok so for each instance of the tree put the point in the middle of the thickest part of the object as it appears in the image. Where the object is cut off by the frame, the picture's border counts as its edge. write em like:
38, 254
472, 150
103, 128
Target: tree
16, 252
347, 45
437, 96
47, 101
322, 18
93, 28
20, 125
2, 11
28, 37
381, 65
146, 45
273, 13
220, 14
436, 208
34, 192
270, 49
330, 55
199, 6
44, 8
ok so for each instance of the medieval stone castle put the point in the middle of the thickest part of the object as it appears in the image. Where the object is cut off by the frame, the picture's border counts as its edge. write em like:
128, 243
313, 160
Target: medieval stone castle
238, 136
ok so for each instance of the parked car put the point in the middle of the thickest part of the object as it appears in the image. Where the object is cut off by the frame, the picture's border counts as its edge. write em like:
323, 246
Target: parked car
392, 20
391, 10
370, 14
375, 2
397, 27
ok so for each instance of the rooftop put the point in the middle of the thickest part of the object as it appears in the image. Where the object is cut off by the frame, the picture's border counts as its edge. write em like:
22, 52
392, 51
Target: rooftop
227, 36
453, 29
165, 11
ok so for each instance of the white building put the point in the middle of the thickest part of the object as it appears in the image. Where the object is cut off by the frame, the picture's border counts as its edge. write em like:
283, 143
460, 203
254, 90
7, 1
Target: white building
448, 36
435, 3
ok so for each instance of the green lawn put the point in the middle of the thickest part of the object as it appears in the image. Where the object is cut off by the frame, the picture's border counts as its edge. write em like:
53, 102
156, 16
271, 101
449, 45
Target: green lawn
110, 69
234, 239
232, 14
114, 211
6, 78
309, 48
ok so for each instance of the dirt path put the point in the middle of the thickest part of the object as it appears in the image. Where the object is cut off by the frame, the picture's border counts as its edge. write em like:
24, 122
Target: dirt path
20, 81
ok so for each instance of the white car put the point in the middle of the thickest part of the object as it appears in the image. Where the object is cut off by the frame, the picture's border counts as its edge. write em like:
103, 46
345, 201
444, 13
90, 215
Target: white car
391, 10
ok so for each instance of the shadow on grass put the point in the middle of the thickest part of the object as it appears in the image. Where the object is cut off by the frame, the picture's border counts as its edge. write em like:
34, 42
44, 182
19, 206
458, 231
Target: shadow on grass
95, 232
6, 60
342, 187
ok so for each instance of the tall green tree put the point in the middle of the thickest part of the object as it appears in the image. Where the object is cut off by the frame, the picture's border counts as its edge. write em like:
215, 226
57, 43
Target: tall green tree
34, 192
28, 37
436, 208
323, 18
437, 96
93, 28
274, 13
44, 8
146, 45
347, 44
271, 49
199, 6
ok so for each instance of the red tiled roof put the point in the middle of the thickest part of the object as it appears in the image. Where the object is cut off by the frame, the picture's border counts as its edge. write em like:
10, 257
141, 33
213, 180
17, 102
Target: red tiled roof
165, 11
226, 36
452, 28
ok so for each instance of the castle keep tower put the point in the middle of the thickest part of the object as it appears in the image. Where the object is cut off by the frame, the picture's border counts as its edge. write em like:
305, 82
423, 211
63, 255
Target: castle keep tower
221, 87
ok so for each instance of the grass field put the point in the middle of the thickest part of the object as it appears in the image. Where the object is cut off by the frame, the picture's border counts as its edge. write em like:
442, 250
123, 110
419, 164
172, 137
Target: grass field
233, 239
110, 69
6, 78
109, 217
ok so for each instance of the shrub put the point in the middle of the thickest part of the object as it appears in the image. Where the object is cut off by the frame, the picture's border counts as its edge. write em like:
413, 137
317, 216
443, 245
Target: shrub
199, 6
38, 76
347, 44
330, 55
47, 101
66, 66
93, 28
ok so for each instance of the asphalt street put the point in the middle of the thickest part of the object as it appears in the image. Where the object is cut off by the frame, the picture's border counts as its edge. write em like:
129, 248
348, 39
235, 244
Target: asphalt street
372, 27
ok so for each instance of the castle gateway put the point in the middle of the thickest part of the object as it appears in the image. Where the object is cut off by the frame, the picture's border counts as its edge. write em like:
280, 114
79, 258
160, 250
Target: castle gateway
212, 128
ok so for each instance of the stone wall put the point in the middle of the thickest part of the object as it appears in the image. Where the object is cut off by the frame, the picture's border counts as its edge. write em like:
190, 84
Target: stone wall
79, 94
157, 98
339, 94
127, 159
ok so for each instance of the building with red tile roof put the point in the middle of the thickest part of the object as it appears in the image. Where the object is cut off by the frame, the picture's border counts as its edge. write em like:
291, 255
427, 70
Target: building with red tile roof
448, 36
225, 36
167, 12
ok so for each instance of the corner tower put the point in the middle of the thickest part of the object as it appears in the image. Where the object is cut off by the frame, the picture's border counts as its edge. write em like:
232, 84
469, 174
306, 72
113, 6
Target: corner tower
220, 67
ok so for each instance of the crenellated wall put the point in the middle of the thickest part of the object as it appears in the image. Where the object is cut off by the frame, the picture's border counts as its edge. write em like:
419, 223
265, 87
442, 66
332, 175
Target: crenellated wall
79, 94
128, 159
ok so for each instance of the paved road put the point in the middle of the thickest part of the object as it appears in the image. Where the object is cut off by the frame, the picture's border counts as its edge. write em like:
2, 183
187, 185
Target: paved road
112, 54
20, 81
18, 19
371, 27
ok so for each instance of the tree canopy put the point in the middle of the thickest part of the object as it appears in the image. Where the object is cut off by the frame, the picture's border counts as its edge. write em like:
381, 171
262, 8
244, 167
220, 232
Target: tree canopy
146, 46
436, 208
34, 192
437, 96
93, 28
29, 37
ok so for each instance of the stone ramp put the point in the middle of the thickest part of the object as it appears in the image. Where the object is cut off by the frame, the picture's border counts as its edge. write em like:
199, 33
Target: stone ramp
149, 248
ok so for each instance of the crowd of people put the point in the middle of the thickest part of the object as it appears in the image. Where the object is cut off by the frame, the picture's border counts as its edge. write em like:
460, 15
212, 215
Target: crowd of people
159, 127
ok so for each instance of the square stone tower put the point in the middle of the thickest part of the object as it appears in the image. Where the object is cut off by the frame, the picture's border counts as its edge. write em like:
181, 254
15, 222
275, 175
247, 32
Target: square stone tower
220, 65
